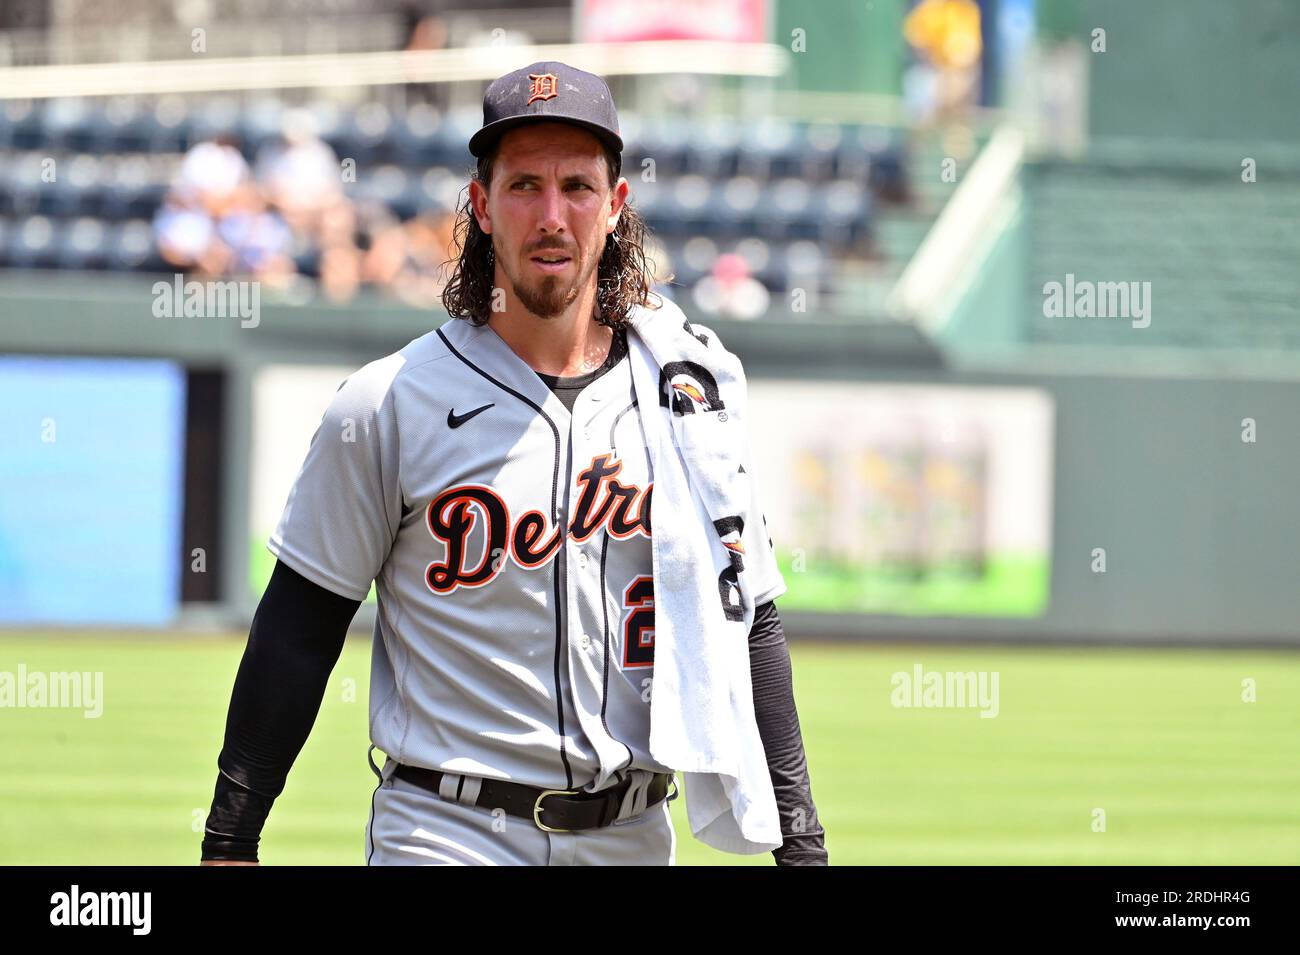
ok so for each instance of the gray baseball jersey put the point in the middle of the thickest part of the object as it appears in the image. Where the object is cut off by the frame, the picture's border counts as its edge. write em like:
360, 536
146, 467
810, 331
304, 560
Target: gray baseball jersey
509, 540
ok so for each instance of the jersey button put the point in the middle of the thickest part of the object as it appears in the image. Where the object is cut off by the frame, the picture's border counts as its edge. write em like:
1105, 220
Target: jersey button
582, 561
585, 642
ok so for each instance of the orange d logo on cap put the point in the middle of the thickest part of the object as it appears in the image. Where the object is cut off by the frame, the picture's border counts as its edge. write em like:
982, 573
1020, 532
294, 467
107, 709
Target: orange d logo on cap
543, 87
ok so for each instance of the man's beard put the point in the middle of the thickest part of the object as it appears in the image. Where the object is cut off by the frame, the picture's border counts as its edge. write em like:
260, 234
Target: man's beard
548, 298
551, 294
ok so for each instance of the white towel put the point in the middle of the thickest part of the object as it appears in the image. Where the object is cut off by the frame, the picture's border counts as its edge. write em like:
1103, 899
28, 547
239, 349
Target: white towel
692, 399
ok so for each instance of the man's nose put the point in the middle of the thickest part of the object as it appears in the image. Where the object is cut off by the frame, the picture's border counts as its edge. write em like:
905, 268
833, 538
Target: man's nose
552, 210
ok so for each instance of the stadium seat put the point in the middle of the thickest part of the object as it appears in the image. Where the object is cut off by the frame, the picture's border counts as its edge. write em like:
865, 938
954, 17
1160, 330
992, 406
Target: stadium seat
858, 149
666, 140
34, 243
820, 143
78, 191
82, 245
762, 264
120, 124
736, 209
23, 124
693, 260
887, 178
166, 128
415, 137
687, 208
769, 150
364, 135
7, 123
843, 211
452, 136
20, 184
631, 125
131, 248
258, 125
392, 186
47, 182
441, 189
645, 197
713, 148
217, 116
65, 125
804, 265
787, 213
132, 192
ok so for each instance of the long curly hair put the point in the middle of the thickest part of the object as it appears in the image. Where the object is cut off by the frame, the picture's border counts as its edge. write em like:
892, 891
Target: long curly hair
624, 276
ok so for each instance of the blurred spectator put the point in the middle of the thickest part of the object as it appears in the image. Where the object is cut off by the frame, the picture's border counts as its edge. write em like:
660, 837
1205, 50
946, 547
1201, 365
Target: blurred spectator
409, 258
291, 213
340, 272
300, 174
730, 291
340, 258
210, 175
186, 237
255, 239
214, 220
424, 30
946, 36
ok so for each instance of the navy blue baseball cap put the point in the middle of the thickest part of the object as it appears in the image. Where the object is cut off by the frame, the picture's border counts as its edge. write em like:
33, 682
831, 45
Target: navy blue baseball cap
547, 91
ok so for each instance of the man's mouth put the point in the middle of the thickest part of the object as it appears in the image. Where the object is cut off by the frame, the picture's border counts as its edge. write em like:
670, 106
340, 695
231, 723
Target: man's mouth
550, 261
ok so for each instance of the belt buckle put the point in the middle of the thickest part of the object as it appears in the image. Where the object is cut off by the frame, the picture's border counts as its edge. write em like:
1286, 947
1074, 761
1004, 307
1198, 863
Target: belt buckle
537, 807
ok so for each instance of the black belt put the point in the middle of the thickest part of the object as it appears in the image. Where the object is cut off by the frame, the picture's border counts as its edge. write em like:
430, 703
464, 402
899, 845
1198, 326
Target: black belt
566, 810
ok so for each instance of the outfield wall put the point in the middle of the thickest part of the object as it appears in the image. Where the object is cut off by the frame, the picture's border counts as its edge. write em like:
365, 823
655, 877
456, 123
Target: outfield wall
1200, 528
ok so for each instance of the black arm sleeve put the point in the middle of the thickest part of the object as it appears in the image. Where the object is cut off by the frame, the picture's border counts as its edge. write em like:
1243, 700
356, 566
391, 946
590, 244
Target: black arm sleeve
296, 638
778, 725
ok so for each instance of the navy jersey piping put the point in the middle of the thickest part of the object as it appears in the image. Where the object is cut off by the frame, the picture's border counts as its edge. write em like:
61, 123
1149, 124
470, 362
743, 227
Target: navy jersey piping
564, 534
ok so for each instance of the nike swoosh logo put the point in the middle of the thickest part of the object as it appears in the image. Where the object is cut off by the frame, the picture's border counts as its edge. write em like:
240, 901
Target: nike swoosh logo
456, 420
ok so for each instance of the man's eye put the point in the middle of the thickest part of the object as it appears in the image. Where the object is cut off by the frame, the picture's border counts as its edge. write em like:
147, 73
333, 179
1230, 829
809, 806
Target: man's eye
525, 184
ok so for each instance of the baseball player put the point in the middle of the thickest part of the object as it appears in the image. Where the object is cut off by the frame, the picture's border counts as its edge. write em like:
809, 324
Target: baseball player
492, 480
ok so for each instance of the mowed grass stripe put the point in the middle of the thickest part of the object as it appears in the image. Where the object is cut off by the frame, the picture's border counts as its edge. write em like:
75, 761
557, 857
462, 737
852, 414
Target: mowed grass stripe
1186, 772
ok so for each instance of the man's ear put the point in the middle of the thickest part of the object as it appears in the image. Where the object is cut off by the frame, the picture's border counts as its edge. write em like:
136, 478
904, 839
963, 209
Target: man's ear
478, 204
618, 199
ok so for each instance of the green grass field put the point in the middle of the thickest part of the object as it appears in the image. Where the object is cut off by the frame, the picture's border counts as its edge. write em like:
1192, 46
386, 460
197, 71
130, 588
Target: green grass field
1185, 771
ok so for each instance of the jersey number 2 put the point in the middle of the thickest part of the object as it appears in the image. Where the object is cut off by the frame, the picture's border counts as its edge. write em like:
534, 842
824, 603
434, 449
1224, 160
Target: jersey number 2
639, 623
